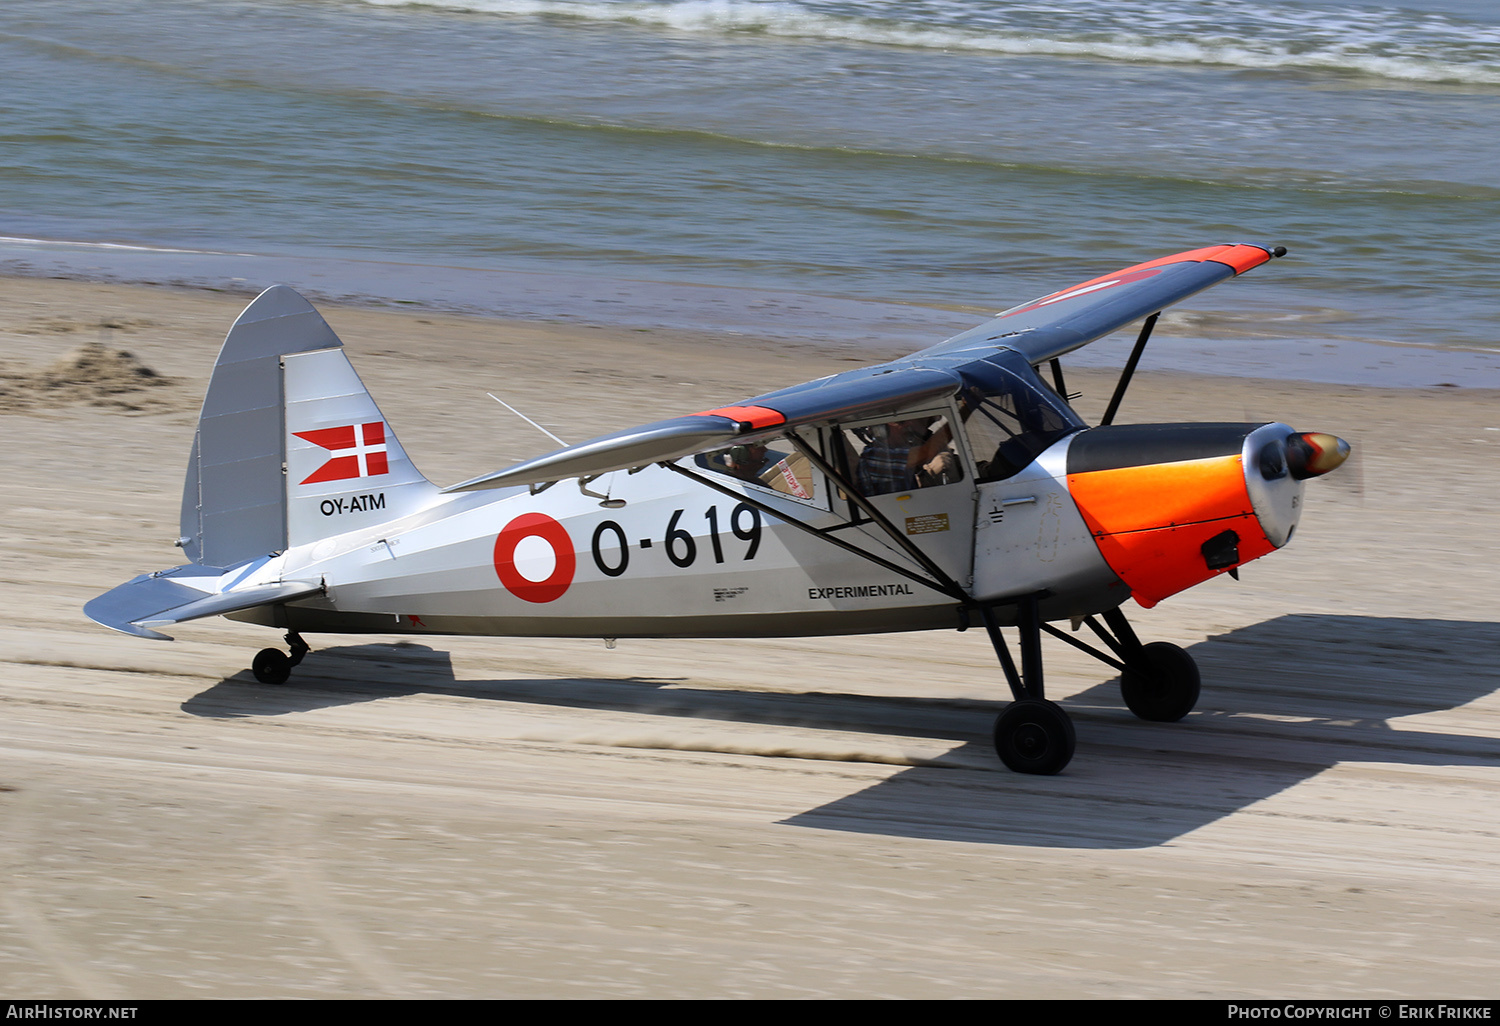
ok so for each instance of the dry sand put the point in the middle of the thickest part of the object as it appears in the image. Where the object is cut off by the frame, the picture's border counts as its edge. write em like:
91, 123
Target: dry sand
809, 818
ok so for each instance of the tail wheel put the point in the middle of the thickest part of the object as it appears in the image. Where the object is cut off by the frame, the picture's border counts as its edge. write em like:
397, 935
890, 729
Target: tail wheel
271, 666
1034, 735
1162, 684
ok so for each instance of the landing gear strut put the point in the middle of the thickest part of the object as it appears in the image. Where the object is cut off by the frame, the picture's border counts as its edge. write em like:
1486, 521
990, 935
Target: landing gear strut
1158, 681
1032, 735
270, 666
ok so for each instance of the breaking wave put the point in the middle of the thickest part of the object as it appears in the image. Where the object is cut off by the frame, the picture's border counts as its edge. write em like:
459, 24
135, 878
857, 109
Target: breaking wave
1388, 43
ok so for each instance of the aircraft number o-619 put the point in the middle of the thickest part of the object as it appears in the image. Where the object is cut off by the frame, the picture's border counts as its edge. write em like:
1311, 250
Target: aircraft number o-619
681, 548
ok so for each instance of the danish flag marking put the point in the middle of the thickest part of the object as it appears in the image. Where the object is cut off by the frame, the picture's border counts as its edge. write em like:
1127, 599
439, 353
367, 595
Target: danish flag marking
357, 450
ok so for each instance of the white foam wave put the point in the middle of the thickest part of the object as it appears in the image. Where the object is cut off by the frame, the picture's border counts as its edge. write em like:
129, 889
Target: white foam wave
22, 240
1385, 43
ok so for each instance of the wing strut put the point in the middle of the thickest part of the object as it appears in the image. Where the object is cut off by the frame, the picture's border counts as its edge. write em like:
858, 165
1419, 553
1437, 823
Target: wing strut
943, 583
950, 586
1125, 375
1057, 378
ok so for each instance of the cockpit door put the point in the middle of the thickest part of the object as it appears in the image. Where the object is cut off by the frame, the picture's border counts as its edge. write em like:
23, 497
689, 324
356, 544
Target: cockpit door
912, 470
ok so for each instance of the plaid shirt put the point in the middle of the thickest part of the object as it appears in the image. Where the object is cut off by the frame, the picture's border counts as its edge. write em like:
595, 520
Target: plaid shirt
883, 469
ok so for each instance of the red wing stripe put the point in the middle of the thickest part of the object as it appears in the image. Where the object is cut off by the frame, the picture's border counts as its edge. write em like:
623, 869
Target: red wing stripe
1240, 258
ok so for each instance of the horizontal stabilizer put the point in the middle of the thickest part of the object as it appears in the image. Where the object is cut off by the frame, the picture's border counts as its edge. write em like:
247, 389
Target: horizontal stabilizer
158, 600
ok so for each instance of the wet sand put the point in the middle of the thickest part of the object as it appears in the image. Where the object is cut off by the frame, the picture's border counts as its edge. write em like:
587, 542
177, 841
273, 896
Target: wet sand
806, 818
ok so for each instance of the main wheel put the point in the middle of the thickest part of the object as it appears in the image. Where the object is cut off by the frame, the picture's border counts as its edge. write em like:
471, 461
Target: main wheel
271, 666
1162, 685
1034, 735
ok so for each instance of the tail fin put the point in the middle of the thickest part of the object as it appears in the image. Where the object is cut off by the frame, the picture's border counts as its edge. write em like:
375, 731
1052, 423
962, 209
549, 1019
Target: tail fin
290, 447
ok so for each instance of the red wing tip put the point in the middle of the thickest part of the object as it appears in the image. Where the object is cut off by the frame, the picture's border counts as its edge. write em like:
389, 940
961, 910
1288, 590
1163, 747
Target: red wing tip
756, 416
1239, 256
1242, 258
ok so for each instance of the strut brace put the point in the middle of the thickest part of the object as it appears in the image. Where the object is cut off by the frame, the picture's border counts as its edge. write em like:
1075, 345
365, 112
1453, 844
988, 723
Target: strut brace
944, 584
1129, 371
1025, 682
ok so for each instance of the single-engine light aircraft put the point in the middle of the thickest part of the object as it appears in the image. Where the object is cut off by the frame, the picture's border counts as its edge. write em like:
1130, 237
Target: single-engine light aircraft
953, 488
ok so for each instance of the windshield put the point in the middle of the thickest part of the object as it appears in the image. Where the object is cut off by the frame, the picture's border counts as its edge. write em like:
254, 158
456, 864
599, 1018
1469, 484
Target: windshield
1010, 416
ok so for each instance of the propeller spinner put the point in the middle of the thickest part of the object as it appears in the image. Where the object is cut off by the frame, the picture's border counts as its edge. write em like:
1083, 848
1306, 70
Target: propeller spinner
1313, 453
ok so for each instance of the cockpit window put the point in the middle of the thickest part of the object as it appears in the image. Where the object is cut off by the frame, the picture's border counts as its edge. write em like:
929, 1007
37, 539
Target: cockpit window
901, 455
1010, 420
777, 466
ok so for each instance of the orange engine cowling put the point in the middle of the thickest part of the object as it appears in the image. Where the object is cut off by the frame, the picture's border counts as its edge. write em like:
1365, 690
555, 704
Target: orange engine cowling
1171, 505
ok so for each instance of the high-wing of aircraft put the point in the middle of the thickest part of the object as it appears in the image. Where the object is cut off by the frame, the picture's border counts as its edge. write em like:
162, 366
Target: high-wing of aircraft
949, 489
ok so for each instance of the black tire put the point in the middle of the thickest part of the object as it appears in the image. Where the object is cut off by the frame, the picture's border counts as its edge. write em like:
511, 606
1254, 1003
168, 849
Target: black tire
271, 666
1034, 736
1163, 683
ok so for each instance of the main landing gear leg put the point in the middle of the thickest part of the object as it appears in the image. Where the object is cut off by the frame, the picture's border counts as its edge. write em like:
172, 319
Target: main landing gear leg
1158, 681
270, 666
1032, 735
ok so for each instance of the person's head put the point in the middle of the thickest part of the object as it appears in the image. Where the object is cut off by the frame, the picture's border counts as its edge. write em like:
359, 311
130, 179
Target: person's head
746, 457
905, 432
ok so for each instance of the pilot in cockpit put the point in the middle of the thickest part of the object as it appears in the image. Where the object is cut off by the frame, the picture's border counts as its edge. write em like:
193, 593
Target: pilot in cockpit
905, 454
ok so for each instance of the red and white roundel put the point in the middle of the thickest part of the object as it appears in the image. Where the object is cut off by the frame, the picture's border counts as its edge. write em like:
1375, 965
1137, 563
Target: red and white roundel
534, 558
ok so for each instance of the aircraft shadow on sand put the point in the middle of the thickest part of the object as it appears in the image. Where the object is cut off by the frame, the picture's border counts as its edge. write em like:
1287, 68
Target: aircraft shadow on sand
1282, 701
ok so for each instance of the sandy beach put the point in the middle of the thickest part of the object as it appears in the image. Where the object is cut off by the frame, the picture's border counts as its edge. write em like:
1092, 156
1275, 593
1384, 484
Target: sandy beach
510, 818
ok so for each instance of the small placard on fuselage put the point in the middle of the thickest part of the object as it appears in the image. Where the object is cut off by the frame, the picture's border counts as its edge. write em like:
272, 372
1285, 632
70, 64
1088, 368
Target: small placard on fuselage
927, 523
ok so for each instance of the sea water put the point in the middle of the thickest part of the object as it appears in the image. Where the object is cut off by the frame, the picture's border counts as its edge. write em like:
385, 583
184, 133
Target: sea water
831, 170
